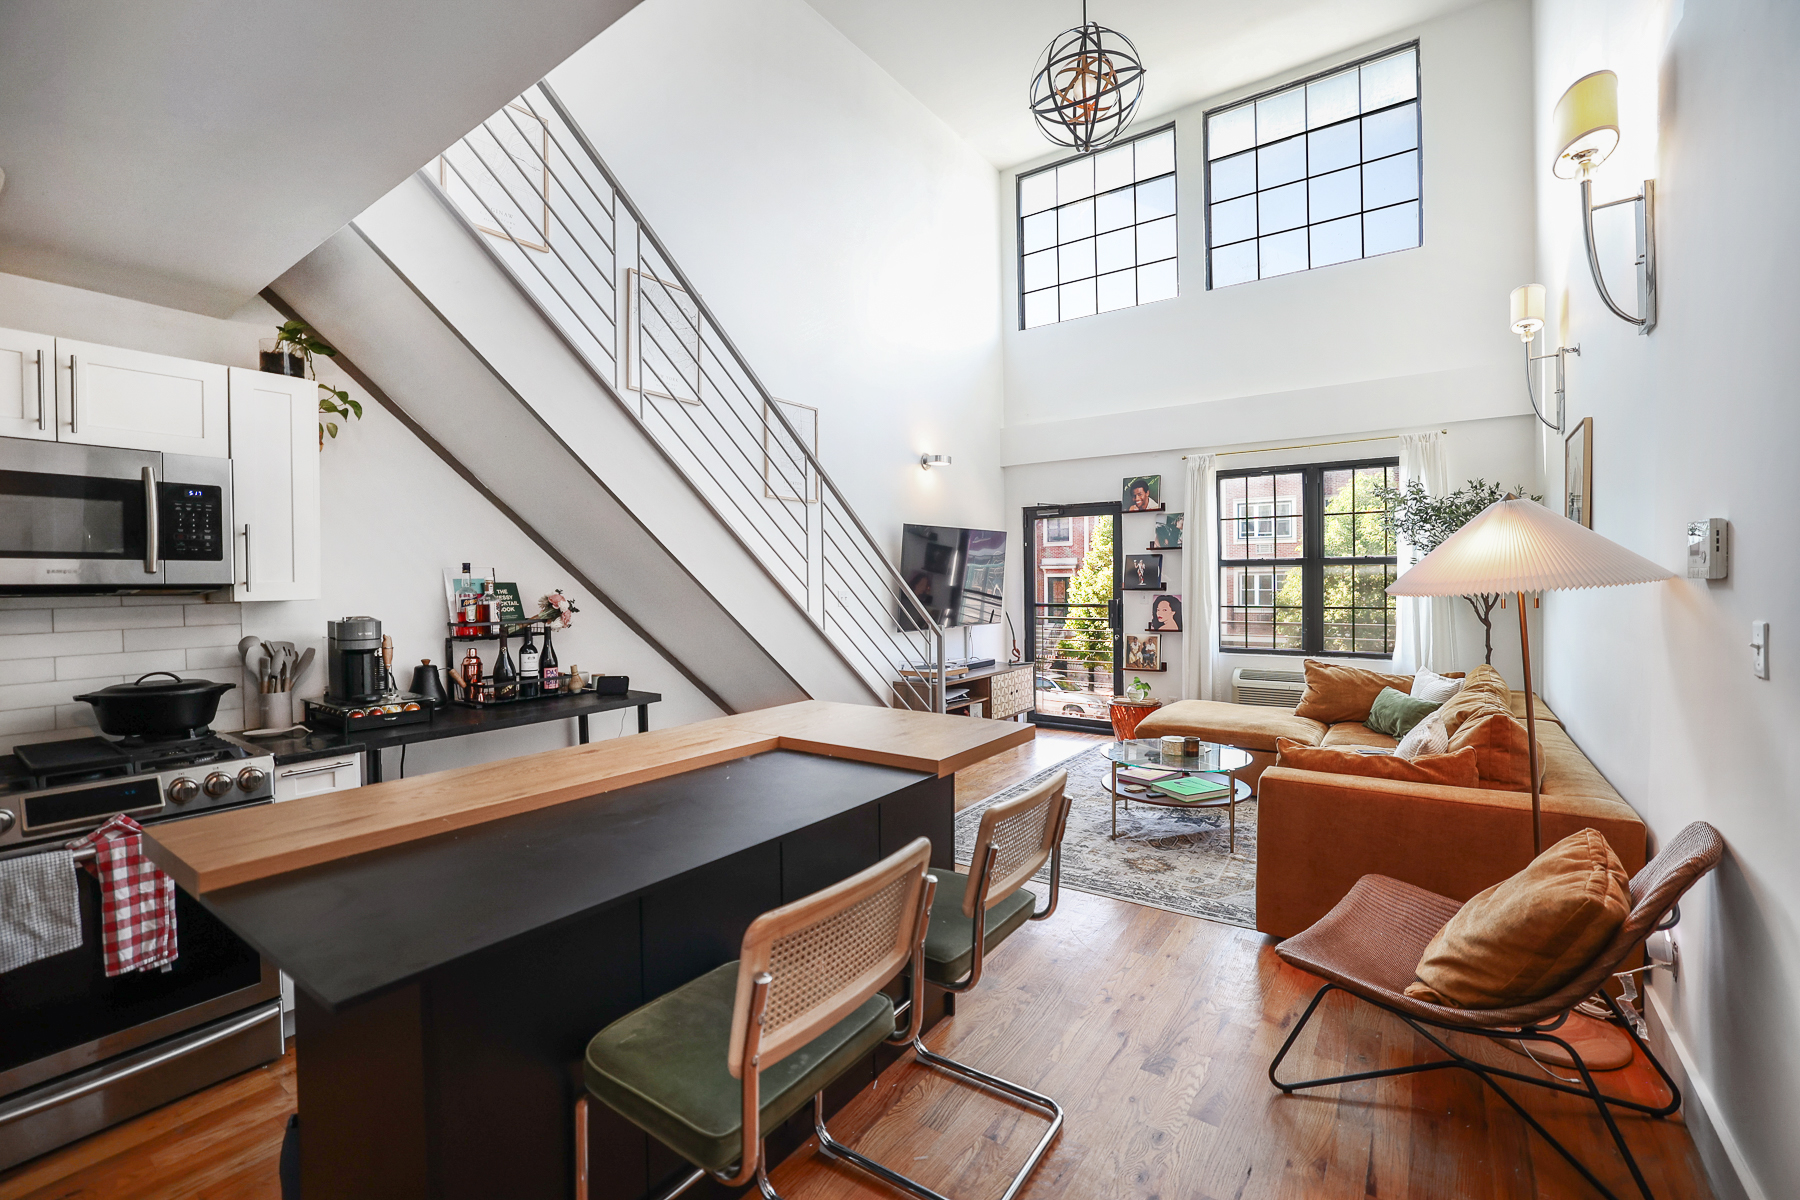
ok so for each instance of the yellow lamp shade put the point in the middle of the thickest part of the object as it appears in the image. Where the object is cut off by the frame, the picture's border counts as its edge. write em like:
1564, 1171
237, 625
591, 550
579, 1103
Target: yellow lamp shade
1587, 124
1527, 310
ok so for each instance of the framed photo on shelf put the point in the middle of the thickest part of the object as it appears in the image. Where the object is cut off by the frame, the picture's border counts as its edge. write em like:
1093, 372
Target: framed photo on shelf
1143, 493
1168, 533
1578, 473
1143, 652
1165, 614
1143, 573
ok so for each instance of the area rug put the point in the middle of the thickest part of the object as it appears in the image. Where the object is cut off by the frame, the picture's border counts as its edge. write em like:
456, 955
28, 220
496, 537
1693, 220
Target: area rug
1169, 858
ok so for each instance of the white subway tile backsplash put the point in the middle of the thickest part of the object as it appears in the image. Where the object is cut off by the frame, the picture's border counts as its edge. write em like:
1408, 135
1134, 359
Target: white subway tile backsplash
27, 670
25, 620
185, 636
50, 645
70, 619
19, 602
153, 599
81, 666
36, 695
27, 720
213, 614
76, 716
214, 658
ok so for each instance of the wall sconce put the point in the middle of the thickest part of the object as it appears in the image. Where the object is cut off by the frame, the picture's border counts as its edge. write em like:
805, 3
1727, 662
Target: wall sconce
928, 461
1527, 320
1587, 130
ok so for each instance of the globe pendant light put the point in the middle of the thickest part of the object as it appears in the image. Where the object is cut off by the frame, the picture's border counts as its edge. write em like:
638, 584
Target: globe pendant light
1087, 86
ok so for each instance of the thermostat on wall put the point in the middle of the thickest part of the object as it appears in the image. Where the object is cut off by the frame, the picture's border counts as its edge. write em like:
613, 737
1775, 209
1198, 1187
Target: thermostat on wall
1709, 549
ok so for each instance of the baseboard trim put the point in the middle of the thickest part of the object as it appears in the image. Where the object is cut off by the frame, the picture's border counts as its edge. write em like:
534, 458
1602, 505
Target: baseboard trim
1697, 1091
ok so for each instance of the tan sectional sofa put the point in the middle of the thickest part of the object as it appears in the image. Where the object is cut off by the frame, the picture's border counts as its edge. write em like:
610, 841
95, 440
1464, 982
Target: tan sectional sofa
1318, 833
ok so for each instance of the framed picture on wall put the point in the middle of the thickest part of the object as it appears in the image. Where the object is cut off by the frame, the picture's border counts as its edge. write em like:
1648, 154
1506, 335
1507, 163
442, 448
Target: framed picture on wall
1143, 652
1168, 533
1143, 572
1165, 614
1143, 493
1578, 473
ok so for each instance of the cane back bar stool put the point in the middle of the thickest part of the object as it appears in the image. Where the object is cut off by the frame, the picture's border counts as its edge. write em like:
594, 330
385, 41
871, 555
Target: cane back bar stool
1370, 944
708, 1067
973, 913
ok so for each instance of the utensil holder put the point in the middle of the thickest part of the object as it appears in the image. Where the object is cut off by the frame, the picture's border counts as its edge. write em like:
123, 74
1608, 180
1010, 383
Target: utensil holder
277, 710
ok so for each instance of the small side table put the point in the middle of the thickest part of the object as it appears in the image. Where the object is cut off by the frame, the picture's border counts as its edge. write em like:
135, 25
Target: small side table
1213, 759
1126, 714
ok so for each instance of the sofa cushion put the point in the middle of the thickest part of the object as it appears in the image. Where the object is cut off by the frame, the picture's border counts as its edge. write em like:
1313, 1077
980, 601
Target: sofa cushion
1246, 726
1501, 750
1527, 936
1448, 770
1483, 692
1566, 770
1395, 713
1339, 692
1427, 737
1429, 685
1347, 734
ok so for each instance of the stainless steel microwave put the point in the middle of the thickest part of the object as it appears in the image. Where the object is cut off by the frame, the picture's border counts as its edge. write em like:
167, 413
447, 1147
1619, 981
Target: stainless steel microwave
97, 519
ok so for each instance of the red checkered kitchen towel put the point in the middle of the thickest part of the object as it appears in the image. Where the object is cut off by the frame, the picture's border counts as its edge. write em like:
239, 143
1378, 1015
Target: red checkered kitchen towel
137, 900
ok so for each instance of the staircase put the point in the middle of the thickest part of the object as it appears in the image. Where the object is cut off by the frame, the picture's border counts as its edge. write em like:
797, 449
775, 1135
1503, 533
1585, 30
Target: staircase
512, 306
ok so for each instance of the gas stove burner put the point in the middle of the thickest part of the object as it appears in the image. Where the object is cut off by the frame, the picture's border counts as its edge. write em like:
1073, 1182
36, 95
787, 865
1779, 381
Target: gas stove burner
201, 733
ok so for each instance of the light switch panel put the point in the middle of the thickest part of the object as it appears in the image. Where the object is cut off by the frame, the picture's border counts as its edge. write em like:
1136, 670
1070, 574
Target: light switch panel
1759, 643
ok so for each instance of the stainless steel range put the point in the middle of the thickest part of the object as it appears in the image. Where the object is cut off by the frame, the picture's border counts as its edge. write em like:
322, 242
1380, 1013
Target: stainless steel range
83, 1051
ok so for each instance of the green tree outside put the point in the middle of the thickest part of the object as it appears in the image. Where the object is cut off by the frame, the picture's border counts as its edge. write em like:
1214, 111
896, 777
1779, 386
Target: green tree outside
1351, 591
1086, 636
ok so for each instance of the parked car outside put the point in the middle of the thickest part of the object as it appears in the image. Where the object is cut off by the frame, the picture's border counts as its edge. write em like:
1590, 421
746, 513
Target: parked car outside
1063, 698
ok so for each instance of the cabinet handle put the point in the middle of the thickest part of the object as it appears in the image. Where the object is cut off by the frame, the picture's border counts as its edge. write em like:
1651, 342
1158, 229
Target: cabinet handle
336, 766
41, 425
152, 519
246, 557
74, 425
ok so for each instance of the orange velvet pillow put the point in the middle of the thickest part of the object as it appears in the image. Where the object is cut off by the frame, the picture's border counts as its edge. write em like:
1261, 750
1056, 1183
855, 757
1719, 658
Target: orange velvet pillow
1448, 770
1483, 691
1502, 752
1336, 692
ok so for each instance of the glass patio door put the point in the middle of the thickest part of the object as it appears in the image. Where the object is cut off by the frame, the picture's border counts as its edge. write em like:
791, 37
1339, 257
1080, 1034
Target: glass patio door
1073, 629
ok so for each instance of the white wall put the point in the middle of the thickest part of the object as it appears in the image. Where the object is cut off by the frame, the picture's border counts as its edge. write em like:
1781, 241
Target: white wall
1696, 420
394, 516
1406, 340
1498, 450
841, 233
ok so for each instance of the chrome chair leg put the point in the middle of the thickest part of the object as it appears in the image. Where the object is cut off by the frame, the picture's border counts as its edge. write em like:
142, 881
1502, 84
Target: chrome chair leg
1044, 1105
830, 1147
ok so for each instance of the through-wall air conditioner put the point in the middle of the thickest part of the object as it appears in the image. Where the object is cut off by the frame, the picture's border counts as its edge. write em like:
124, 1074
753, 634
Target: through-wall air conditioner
1278, 689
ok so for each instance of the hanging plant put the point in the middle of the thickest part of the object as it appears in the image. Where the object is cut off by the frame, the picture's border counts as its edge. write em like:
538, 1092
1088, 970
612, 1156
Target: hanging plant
301, 340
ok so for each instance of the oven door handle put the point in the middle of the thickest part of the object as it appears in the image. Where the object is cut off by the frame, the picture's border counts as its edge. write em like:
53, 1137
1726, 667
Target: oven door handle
152, 519
181, 1046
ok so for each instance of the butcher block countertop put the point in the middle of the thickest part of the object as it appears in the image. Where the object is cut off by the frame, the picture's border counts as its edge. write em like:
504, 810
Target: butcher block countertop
207, 853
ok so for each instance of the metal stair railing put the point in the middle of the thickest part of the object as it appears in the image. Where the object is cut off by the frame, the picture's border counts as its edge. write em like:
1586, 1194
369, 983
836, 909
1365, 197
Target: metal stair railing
533, 191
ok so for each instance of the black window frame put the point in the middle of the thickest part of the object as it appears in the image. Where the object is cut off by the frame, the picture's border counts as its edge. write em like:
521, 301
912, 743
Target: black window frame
1312, 562
1206, 159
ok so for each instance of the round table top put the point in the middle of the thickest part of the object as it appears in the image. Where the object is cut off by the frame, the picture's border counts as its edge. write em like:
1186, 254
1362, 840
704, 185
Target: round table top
1148, 752
1127, 702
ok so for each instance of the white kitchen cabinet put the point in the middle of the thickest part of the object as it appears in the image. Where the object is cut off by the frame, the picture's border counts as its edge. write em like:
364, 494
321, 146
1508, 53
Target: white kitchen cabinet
27, 396
275, 485
106, 396
293, 781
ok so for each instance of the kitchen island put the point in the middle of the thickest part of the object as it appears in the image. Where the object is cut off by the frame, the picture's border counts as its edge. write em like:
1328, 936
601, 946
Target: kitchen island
457, 938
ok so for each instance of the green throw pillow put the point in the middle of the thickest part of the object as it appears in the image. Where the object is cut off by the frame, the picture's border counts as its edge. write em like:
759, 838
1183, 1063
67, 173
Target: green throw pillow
1395, 713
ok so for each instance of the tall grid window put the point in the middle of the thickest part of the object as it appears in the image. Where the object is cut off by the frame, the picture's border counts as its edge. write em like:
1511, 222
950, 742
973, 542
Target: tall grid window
1305, 558
1097, 233
1320, 172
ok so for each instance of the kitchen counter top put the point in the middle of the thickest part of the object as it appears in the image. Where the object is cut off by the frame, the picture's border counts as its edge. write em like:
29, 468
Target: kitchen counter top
226, 849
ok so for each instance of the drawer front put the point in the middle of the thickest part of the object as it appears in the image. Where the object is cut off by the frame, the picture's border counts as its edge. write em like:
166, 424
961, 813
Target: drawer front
315, 778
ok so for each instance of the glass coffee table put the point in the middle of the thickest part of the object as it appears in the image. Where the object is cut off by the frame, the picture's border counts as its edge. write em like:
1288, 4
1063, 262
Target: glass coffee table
1213, 759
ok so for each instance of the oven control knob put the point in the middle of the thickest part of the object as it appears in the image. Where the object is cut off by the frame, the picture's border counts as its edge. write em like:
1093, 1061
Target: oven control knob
7, 820
252, 778
184, 790
217, 784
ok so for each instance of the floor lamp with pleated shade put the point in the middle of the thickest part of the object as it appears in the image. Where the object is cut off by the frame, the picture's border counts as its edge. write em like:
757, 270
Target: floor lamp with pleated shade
1517, 545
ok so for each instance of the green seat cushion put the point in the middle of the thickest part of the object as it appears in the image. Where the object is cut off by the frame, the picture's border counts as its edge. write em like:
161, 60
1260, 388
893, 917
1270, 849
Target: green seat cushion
950, 941
1395, 713
662, 1067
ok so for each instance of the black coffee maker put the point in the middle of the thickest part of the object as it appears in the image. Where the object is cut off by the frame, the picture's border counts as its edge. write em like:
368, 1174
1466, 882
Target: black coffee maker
355, 671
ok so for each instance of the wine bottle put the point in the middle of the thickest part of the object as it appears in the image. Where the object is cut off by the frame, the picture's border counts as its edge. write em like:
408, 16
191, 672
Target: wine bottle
506, 673
485, 608
465, 602
528, 665
550, 678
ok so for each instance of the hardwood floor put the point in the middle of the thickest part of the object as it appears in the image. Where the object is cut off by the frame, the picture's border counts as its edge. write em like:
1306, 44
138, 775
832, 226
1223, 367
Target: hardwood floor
1154, 1031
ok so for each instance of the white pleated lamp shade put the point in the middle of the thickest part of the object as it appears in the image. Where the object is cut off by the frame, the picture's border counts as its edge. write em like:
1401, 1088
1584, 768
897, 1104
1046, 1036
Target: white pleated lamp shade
1519, 545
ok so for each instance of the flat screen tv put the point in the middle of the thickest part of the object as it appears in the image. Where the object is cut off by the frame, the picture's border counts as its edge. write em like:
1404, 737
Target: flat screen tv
957, 574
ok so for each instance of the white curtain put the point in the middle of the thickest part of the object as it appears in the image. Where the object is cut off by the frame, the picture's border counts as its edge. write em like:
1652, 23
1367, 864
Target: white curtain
1200, 577
1425, 633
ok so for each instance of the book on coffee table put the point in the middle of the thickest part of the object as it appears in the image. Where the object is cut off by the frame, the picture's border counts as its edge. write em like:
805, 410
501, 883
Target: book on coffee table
1146, 775
1194, 787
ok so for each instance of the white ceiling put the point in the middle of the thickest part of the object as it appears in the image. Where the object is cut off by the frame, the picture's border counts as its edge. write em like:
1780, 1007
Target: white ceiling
971, 61
186, 152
